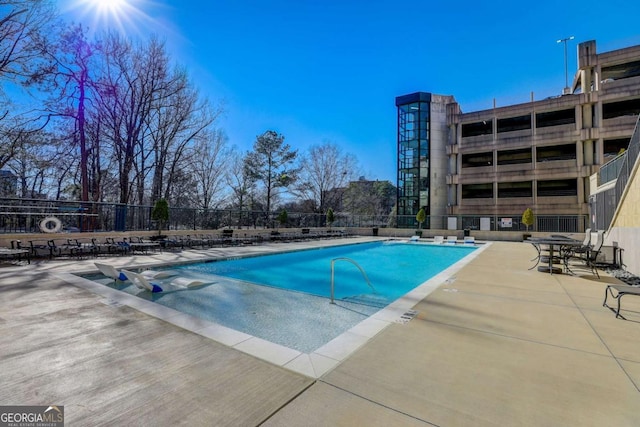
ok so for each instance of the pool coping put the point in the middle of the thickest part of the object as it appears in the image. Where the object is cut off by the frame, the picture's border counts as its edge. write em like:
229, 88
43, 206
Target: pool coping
314, 364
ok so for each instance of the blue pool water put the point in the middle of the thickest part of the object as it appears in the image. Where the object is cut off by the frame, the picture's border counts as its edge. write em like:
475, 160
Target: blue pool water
254, 295
392, 268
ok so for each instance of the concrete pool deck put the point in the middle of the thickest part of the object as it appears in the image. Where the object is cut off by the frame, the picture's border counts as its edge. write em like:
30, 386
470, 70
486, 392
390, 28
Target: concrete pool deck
496, 344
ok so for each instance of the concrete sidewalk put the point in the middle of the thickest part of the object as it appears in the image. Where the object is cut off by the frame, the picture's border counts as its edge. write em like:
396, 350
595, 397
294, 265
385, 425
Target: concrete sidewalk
496, 345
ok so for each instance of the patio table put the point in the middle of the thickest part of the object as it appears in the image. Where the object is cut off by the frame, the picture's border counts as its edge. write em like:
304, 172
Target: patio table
555, 243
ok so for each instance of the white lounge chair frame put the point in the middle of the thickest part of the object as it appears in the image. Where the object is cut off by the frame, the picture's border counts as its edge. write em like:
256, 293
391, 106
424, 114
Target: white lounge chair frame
142, 282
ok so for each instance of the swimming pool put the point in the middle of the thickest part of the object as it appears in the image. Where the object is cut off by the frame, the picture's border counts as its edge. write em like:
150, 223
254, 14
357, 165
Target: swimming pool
389, 269
283, 298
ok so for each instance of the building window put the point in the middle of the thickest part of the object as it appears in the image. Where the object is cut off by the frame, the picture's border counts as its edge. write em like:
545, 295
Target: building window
514, 123
556, 118
514, 157
619, 109
613, 147
477, 160
484, 127
558, 187
621, 71
477, 191
556, 152
515, 189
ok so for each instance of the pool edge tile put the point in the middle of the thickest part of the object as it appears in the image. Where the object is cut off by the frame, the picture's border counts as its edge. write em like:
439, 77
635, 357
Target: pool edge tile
342, 346
222, 334
313, 365
266, 350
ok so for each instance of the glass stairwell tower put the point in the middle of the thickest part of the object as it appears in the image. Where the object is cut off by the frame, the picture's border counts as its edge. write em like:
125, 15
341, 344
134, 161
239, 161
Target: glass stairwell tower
422, 158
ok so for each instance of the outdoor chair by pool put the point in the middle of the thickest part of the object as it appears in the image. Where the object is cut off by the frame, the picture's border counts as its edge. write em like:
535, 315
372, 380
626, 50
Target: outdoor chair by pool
110, 271
438, 240
145, 283
155, 274
40, 248
142, 282
452, 240
586, 244
587, 259
186, 282
64, 249
621, 290
121, 246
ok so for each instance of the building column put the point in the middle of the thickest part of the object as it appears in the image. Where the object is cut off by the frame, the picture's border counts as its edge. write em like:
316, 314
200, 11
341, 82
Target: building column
588, 152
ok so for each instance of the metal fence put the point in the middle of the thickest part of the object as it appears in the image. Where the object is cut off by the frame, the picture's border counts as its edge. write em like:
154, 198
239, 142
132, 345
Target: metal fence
544, 223
603, 205
610, 170
28, 215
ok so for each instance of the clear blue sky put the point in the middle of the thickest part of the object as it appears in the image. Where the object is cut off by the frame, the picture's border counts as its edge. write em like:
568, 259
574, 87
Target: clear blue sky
330, 70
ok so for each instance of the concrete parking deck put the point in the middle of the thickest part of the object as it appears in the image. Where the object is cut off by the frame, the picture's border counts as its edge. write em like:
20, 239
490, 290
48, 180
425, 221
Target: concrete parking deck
497, 344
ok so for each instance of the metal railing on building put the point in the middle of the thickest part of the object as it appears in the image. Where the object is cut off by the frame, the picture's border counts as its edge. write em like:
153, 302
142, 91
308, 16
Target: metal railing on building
603, 204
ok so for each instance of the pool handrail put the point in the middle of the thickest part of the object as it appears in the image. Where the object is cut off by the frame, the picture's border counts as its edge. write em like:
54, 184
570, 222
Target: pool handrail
333, 261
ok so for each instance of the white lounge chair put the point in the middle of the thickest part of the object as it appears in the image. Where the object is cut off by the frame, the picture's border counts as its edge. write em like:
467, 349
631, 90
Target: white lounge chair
185, 282
154, 274
438, 240
142, 282
414, 239
110, 271
469, 240
452, 240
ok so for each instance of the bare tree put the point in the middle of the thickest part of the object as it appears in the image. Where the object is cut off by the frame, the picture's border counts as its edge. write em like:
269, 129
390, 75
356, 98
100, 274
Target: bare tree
132, 79
208, 167
373, 198
12, 137
272, 162
151, 115
40, 163
20, 31
327, 171
242, 184
178, 120
64, 73
21, 35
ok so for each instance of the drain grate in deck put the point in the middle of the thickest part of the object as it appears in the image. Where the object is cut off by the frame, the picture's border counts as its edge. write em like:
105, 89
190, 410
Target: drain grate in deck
407, 316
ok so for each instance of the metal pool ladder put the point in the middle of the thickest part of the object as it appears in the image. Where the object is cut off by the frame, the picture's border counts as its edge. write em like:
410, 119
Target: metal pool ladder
333, 261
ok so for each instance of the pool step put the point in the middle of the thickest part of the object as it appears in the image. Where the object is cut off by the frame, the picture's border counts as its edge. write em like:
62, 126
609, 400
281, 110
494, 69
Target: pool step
368, 299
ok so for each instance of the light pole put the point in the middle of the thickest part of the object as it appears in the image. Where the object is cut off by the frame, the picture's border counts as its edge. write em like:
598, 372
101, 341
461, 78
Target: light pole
566, 66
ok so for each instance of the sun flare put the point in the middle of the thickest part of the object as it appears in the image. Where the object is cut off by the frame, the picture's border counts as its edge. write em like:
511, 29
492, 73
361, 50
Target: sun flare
124, 15
114, 7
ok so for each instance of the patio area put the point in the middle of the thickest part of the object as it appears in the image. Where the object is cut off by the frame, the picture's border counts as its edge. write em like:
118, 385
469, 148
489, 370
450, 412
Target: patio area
495, 345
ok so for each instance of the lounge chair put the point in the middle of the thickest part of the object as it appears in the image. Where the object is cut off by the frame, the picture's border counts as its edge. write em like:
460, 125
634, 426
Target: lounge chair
142, 282
110, 271
469, 240
414, 239
452, 240
621, 290
185, 282
154, 274
438, 240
